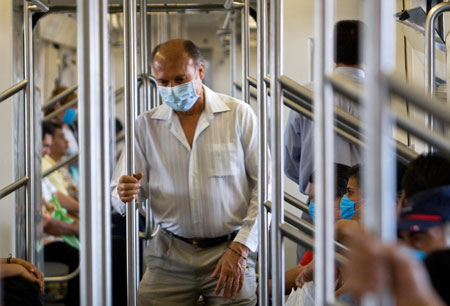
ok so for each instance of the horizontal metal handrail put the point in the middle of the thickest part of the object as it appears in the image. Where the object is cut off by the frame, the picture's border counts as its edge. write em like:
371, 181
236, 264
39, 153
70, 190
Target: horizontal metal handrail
63, 278
59, 97
41, 6
300, 99
301, 224
252, 82
437, 108
297, 236
70, 160
56, 112
295, 202
434, 139
13, 186
13, 90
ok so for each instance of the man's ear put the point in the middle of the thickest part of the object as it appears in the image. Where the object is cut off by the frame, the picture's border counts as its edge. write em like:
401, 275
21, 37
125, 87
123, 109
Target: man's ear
201, 71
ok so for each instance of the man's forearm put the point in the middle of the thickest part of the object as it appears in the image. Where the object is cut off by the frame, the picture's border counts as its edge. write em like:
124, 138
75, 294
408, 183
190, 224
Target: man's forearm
58, 228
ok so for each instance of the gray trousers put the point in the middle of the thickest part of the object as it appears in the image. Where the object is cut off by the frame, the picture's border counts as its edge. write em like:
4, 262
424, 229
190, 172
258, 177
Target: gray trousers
178, 273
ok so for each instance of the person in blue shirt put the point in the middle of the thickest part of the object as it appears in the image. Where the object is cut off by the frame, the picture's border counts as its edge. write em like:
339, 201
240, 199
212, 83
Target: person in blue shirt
299, 135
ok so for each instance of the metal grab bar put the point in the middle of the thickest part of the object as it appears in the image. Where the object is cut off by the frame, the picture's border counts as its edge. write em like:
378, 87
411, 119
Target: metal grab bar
13, 90
297, 236
63, 278
59, 97
60, 110
429, 45
70, 160
296, 202
13, 186
150, 230
41, 6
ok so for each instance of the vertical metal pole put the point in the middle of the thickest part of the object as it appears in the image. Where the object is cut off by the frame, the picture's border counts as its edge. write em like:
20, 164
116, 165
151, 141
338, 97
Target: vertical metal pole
245, 45
233, 54
324, 154
130, 90
95, 274
144, 56
105, 134
29, 136
263, 264
379, 156
277, 143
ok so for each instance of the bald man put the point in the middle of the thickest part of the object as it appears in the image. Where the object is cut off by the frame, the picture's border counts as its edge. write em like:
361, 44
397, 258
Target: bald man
196, 161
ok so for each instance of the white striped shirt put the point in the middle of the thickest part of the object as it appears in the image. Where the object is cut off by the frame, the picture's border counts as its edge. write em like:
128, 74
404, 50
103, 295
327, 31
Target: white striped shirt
208, 190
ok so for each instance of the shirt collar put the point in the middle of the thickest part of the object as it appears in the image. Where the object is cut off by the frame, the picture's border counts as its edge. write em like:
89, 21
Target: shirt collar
354, 73
213, 105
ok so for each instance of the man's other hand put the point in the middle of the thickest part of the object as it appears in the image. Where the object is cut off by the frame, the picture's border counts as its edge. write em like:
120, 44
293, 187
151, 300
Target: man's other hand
128, 187
230, 271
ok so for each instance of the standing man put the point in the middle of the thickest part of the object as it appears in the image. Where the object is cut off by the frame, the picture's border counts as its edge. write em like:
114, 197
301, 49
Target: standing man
299, 133
196, 158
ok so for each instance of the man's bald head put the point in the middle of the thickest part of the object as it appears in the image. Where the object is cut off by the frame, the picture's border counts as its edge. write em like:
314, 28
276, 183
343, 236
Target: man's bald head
177, 48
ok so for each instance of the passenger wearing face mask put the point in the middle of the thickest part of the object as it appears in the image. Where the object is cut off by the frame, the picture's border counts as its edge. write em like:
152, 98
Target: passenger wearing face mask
197, 162
341, 210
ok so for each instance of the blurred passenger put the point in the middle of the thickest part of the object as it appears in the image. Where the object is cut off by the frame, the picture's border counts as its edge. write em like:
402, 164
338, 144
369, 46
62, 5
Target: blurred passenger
372, 266
68, 121
48, 189
425, 220
427, 172
22, 283
60, 178
61, 230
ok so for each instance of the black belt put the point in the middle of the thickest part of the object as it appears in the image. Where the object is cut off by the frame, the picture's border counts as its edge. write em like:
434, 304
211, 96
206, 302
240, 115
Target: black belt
206, 242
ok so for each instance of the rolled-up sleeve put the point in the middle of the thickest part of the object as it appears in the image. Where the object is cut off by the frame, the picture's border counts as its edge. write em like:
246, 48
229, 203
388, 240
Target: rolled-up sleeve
141, 165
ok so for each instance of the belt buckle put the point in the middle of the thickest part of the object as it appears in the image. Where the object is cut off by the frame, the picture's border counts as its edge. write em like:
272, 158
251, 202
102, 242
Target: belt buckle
195, 242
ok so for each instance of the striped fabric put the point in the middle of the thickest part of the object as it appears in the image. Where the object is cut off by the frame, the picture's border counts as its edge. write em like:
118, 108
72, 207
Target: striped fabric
205, 191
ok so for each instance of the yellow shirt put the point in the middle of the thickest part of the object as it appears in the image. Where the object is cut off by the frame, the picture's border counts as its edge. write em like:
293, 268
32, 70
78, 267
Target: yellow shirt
60, 178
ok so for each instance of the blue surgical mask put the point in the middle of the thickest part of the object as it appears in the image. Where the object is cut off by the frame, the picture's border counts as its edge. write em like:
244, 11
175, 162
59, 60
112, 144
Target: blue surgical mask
416, 254
180, 98
347, 208
70, 116
311, 209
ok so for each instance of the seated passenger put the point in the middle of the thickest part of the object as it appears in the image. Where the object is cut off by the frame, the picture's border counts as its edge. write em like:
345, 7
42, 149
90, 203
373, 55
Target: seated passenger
68, 121
48, 189
425, 220
61, 178
61, 230
22, 283
341, 211
424, 173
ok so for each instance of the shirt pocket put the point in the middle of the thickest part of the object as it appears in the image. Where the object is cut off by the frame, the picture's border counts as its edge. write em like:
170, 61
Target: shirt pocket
223, 159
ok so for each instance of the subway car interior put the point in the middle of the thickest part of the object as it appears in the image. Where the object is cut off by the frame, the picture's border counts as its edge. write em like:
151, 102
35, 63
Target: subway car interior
224, 152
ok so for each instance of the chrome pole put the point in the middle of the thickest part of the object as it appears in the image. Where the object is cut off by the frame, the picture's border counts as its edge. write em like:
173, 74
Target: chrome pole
324, 154
263, 183
130, 90
277, 143
434, 13
144, 56
245, 45
29, 137
233, 54
95, 274
379, 214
